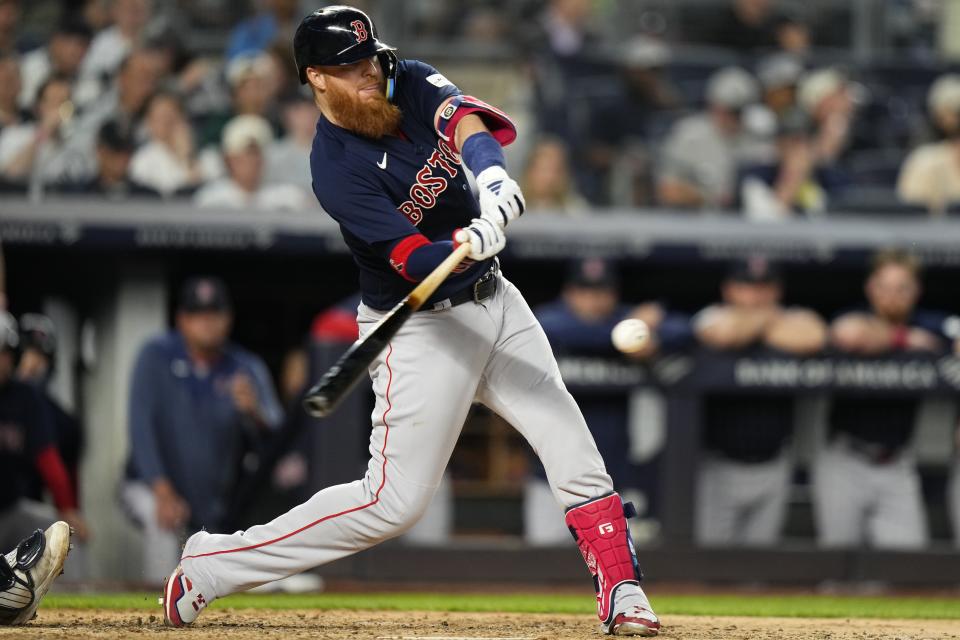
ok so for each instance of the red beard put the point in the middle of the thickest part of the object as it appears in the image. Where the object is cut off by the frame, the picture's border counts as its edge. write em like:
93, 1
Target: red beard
370, 118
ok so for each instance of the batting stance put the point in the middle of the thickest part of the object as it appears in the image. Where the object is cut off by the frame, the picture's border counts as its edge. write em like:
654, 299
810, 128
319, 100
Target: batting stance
388, 164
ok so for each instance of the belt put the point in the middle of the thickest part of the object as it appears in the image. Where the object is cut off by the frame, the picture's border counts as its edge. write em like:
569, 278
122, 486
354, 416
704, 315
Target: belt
484, 287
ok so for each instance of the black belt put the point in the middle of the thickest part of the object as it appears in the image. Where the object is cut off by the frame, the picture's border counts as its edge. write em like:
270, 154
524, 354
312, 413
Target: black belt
484, 287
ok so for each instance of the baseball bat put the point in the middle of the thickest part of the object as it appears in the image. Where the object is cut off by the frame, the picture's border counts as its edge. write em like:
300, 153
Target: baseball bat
324, 397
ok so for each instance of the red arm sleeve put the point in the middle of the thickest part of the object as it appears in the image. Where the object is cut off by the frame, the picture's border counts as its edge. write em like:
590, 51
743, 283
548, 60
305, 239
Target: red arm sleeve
55, 476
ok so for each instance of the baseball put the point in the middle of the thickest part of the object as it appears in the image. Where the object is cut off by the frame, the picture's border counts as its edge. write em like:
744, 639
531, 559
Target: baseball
630, 335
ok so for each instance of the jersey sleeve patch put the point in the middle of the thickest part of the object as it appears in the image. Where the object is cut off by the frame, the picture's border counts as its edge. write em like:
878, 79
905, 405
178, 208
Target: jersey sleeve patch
438, 80
400, 253
498, 122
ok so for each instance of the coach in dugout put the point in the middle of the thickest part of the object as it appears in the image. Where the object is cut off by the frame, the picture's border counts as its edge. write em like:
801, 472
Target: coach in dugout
28, 445
579, 323
866, 487
744, 479
196, 401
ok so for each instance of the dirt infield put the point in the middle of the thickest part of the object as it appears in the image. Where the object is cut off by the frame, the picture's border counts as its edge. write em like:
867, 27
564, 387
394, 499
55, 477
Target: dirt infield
241, 624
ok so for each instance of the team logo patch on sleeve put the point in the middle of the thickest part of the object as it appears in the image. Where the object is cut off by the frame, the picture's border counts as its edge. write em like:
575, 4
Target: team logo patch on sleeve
448, 111
438, 80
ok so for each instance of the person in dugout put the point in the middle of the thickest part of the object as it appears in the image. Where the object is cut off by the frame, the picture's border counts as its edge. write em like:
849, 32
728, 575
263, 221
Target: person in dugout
579, 323
38, 350
28, 445
866, 487
743, 484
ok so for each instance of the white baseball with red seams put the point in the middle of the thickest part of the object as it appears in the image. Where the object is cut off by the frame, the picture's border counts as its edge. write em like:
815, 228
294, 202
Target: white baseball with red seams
437, 365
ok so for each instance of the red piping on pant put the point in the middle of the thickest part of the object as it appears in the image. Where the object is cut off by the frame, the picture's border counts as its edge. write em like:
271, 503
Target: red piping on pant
376, 497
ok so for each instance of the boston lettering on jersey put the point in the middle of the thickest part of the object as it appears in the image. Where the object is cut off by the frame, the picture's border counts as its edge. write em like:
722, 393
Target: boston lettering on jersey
399, 192
430, 182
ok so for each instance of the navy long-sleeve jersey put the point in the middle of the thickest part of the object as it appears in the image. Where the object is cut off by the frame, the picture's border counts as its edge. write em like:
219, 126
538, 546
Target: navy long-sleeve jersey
392, 194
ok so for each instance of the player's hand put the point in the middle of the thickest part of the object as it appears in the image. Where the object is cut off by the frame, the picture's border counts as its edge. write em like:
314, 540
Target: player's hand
244, 395
500, 197
922, 340
172, 510
485, 237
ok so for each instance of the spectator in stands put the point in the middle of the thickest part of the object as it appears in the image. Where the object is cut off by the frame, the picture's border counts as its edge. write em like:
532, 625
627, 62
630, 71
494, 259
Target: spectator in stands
114, 148
195, 398
943, 105
866, 488
793, 183
245, 140
137, 79
548, 185
114, 44
10, 113
28, 443
287, 157
792, 33
167, 163
615, 156
38, 350
283, 75
930, 175
744, 480
827, 97
699, 157
778, 75
251, 93
579, 323
558, 46
40, 149
277, 21
9, 21
60, 57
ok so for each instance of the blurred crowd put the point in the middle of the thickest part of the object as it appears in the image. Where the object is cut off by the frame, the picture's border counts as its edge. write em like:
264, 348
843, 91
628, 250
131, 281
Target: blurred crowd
756, 106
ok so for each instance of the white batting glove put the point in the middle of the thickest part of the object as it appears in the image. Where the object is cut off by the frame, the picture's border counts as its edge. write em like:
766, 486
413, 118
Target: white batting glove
486, 238
500, 197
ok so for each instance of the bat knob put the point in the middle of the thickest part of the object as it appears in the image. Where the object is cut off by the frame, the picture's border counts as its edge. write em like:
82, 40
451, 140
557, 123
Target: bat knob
317, 405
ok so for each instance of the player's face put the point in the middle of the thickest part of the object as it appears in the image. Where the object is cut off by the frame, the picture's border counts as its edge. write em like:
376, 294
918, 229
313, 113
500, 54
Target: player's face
591, 303
363, 78
893, 291
33, 366
246, 167
204, 330
352, 96
751, 295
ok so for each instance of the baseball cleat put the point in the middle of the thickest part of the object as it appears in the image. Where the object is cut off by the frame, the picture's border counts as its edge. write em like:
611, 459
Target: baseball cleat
27, 572
182, 601
635, 621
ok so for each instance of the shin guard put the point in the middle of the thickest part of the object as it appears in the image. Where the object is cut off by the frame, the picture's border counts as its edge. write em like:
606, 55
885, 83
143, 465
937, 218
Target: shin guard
600, 528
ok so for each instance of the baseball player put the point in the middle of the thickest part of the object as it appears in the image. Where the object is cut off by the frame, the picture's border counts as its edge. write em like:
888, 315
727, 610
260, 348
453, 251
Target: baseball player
389, 163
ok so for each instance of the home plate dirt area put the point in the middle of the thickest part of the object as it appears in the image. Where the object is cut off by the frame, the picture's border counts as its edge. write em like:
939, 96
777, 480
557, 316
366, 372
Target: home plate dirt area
241, 624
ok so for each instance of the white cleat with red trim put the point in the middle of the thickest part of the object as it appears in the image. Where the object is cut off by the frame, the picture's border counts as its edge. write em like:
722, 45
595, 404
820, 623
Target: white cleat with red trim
634, 621
182, 600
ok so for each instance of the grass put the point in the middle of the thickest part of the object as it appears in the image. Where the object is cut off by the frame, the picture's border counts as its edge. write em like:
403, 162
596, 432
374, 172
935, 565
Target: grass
699, 605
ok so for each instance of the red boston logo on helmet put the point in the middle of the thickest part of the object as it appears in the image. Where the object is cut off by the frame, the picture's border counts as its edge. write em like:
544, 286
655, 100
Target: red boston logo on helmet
359, 30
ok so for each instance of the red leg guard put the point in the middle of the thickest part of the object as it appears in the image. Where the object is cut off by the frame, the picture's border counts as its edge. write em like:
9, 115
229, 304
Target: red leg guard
600, 528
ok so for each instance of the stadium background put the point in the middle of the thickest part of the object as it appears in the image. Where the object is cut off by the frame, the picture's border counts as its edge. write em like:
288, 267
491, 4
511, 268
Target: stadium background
107, 271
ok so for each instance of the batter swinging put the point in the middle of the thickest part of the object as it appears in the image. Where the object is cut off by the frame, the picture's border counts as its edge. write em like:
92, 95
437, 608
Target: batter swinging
388, 163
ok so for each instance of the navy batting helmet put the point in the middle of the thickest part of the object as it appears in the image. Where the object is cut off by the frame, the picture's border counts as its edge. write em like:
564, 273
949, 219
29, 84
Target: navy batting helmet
339, 35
